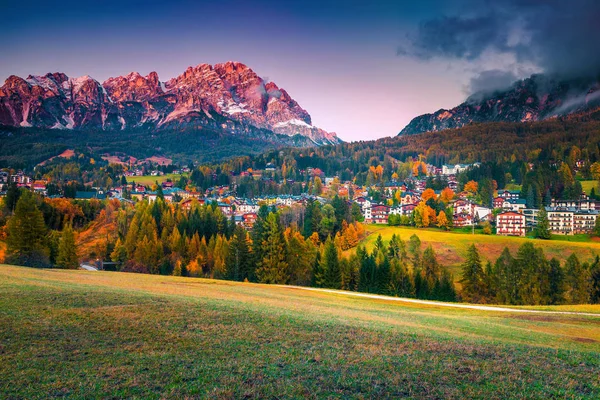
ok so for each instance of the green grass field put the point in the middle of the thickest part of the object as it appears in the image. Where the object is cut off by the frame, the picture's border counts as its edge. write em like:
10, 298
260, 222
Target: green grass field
149, 180
588, 185
451, 247
80, 334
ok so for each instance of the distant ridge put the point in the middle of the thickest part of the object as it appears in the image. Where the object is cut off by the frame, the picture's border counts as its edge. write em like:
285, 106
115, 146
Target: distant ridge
533, 99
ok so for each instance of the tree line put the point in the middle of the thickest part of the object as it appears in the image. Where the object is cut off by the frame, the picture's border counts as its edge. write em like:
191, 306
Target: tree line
161, 238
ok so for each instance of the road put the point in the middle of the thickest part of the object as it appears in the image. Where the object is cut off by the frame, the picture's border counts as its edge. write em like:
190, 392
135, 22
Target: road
442, 304
88, 267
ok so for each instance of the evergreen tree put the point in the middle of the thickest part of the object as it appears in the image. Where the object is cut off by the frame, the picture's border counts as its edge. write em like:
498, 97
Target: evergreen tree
400, 283
26, 234
542, 230
379, 243
547, 199
473, 277
597, 227
237, 262
577, 280
12, 197
330, 265
491, 281
431, 268
557, 284
273, 267
414, 248
445, 289
595, 281
67, 250
530, 199
258, 234
507, 278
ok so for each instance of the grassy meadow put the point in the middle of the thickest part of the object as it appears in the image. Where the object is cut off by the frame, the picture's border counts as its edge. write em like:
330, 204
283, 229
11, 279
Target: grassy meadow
588, 185
149, 180
451, 247
81, 334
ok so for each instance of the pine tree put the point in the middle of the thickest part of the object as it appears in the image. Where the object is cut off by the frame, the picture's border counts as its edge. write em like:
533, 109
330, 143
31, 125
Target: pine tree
530, 200
542, 230
330, 265
272, 267
445, 290
577, 281
507, 278
379, 243
431, 268
414, 248
12, 197
473, 277
238, 260
595, 281
67, 250
26, 234
597, 227
547, 199
557, 284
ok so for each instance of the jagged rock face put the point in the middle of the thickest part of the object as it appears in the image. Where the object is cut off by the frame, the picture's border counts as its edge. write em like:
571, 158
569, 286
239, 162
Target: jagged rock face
532, 99
193, 99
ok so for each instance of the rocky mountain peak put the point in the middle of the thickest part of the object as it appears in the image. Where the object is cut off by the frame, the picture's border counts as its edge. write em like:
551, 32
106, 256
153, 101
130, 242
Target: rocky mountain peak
230, 89
535, 98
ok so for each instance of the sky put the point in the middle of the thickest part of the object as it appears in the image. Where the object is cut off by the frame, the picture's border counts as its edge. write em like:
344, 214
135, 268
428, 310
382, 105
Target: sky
362, 69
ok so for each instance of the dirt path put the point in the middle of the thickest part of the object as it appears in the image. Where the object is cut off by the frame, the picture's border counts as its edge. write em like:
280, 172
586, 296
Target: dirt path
442, 304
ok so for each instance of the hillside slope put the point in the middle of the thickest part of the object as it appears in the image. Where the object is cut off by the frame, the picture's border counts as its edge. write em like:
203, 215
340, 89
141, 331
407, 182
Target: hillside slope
128, 335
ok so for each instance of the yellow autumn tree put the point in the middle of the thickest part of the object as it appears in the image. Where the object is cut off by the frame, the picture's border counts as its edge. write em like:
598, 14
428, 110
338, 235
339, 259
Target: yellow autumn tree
351, 236
471, 187
447, 195
442, 221
421, 215
428, 194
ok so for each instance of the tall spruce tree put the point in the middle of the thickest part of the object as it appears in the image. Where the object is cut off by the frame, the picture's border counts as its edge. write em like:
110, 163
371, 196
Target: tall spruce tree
26, 234
542, 229
238, 263
330, 266
595, 281
273, 267
577, 279
557, 282
473, 277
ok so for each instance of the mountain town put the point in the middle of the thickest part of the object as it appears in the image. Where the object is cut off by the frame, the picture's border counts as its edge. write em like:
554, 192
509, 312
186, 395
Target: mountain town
300, 200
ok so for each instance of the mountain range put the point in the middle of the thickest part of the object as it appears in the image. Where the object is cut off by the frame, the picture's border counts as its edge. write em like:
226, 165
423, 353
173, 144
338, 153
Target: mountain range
537, 98
227, 98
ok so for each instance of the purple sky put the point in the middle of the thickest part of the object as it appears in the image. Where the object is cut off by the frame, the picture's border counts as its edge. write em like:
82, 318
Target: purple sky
345, 62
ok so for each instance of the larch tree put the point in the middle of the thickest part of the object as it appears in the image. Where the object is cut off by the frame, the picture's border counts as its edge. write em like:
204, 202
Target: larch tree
67, 249
442, 220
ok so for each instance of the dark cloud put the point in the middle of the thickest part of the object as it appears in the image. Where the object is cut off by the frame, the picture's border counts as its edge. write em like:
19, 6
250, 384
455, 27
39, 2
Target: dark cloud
455, 37
559, 37
490, 81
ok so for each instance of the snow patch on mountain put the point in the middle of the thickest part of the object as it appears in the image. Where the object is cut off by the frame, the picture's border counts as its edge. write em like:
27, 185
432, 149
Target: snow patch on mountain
294, 121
